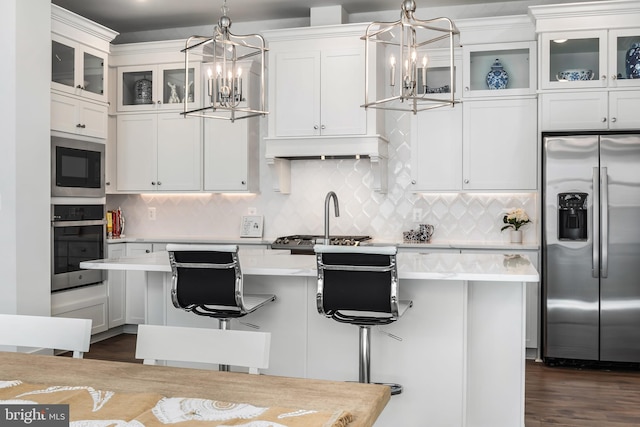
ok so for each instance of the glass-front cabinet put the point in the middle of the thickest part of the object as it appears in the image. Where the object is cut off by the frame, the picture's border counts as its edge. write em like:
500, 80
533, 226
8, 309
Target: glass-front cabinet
78, 69
156, 87
590, 59
624, 57
501, 69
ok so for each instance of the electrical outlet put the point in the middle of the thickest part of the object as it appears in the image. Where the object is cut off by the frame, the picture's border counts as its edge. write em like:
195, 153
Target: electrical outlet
252, 211
151, 212
417, 215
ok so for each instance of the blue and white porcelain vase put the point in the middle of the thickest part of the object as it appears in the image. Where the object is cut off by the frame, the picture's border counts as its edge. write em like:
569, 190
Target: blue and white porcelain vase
632, 61
497, 77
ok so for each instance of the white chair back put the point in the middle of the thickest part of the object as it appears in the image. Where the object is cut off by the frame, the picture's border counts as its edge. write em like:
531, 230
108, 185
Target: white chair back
201, 345
57, 333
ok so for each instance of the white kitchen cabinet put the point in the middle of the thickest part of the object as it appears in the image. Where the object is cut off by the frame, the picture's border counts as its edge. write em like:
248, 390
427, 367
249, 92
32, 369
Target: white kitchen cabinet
317, 92
592, 110
518, 60
78, 69
158, 152
481, 145
500, 144
79, 84
79, 117
136, 286
315, 95
436, 150
594, 37
116, 287
602, 52
231, 155
132, 82
88, 302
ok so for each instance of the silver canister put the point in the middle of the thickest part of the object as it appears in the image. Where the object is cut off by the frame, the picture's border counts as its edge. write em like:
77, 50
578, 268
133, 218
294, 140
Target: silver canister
142, 90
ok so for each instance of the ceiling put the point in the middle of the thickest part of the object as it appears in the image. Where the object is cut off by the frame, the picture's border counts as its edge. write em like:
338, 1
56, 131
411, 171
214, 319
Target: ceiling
125, 16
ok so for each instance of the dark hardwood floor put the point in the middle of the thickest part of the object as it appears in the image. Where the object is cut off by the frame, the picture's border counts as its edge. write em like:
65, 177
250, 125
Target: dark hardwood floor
555, 396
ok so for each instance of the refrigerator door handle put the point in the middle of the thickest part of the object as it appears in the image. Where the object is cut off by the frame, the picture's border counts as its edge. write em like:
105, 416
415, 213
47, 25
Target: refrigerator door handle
604, 223
595, 235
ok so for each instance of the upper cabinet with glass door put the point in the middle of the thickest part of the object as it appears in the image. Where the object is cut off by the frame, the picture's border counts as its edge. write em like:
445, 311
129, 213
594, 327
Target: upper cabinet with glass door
78, 69
79, 55
589, 45
500, 69
157, 87
576, 59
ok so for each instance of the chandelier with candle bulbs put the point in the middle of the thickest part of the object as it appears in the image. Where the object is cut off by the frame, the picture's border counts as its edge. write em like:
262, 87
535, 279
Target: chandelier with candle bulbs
403, 44
229, 60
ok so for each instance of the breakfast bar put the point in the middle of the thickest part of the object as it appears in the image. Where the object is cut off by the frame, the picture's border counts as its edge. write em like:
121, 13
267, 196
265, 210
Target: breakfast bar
459, 352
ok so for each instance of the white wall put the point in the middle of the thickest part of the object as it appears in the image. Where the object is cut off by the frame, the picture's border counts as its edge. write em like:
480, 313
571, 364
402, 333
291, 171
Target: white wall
25, 156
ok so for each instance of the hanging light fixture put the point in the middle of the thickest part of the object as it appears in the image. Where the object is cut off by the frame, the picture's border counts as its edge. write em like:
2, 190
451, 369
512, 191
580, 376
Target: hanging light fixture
231, 63
404, 44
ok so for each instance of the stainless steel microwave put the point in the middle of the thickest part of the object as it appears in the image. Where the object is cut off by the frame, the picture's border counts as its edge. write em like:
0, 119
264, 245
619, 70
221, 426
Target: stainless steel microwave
77, 168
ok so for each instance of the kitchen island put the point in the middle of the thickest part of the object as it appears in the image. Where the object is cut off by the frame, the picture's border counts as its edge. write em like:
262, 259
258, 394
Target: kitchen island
462, 354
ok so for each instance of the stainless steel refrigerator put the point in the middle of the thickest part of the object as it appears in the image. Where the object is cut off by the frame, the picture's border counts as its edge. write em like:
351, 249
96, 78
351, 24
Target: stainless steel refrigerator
591, 247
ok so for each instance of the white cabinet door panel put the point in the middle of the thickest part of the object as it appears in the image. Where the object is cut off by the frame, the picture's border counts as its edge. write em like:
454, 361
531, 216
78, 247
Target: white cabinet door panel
225, 155
136, 292
624, 109
116, 291
179, 154
341, 95
574, 111
136, 152
500, 145
436, 150
297, 98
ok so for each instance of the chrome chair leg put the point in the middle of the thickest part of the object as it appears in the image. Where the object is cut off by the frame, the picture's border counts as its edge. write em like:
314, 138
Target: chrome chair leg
223, 325
365, 354
365, 361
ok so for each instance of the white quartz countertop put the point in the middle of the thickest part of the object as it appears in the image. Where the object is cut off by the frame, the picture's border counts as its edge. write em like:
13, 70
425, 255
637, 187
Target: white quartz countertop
435, 244
421, 266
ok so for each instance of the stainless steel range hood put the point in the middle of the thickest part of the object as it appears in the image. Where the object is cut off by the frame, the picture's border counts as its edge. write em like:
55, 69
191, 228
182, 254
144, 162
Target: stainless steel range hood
280, 151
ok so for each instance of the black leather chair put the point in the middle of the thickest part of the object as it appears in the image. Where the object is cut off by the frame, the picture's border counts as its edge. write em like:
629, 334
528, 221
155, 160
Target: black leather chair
207, 280
359, 285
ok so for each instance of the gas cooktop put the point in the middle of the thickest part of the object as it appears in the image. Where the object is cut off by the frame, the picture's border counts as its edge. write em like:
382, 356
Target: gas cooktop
303, 243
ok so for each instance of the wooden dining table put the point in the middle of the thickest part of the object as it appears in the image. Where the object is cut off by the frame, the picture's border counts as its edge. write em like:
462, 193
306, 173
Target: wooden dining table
364, 402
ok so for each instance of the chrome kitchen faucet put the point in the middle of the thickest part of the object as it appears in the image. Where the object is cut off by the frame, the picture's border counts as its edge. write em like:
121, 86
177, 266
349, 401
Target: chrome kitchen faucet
336, 208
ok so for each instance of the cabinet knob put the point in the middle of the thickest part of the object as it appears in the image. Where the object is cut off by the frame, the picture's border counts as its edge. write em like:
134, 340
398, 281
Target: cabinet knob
107, 183
604, 119
466, 88
81, 126
466, 181
613, 119
316, 127
614, 77
244, 182
147, 251
80, 87
159, 183
603, 77
153, 183
159, 102
323, 127
413, 181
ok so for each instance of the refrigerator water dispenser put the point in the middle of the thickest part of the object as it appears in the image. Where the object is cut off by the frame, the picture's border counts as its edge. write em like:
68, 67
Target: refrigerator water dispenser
572, 216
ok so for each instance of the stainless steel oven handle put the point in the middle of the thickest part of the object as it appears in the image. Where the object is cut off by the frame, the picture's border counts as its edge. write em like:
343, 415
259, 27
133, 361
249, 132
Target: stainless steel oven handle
78, 223
604, 223
595, 235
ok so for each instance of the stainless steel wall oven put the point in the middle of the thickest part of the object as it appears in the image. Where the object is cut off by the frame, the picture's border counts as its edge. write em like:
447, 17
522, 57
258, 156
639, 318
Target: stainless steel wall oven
78, 234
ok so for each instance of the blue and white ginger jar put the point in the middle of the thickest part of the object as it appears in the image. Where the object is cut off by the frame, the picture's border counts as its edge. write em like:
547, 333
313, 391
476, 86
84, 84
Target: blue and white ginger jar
632, 61
497, 77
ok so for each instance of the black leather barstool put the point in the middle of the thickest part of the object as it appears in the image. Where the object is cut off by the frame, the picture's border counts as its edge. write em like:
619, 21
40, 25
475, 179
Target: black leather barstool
359, 285
207, 280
